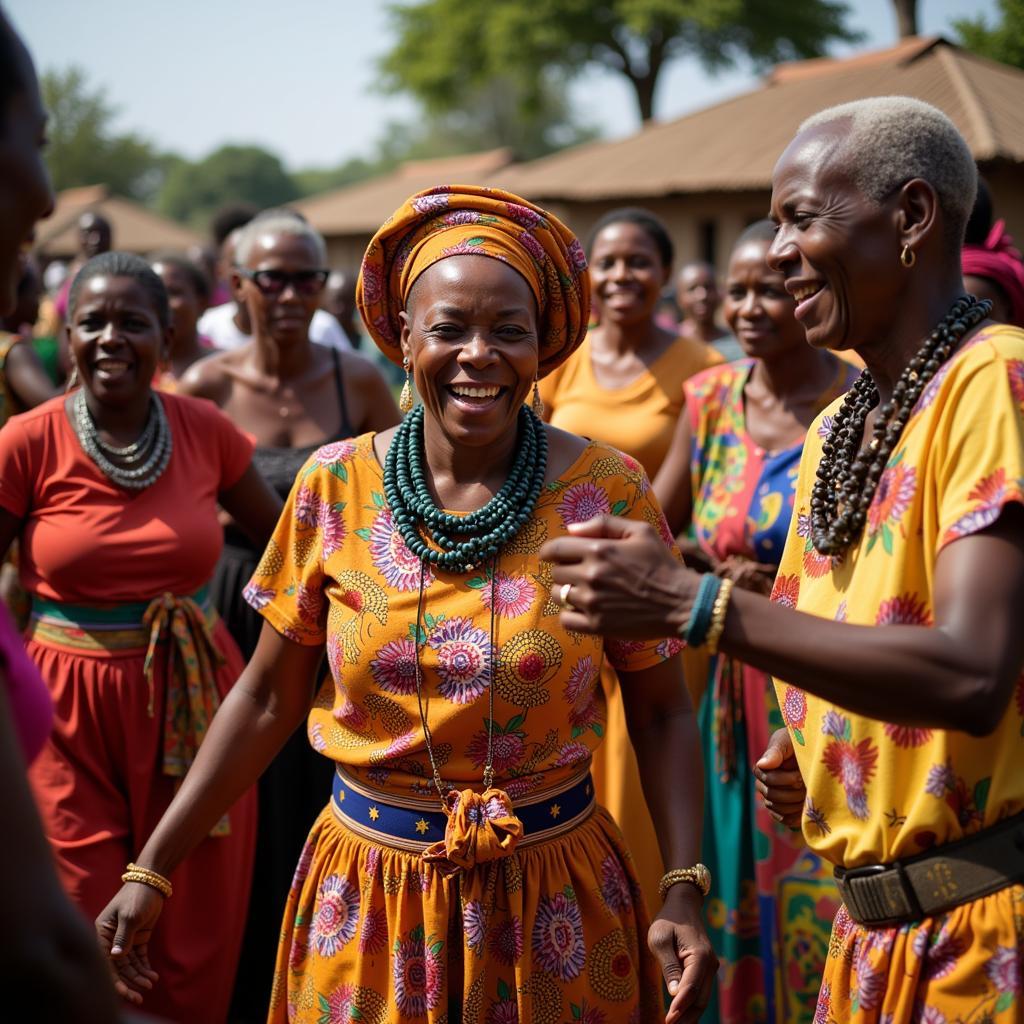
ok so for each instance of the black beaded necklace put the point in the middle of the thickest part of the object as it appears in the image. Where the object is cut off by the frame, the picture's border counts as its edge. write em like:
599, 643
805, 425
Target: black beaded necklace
848, 474
462, 541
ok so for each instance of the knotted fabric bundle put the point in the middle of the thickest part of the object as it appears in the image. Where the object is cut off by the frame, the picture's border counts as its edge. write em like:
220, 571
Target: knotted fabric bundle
481, 827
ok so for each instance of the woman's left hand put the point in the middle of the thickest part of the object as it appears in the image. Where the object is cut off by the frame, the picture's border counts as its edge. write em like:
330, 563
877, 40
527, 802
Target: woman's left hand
680, 943
623, 580
758, 577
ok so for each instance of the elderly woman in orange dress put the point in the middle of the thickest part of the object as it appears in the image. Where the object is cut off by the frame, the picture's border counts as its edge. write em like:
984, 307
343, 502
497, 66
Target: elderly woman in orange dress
461, 870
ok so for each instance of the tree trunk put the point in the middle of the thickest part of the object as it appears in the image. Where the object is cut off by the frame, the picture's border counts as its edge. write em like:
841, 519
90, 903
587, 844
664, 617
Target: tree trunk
906, 17
643, 86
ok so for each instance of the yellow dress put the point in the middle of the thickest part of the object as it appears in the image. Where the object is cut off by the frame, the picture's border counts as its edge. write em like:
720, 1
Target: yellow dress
373, 931
877, 791
640, 420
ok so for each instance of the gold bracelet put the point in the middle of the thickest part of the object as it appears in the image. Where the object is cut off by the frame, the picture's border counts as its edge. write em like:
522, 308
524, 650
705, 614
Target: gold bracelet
718, 614
698, 875
146, 876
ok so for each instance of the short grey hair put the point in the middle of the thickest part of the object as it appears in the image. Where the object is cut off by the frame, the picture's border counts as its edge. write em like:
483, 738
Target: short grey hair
892, 139
276, 223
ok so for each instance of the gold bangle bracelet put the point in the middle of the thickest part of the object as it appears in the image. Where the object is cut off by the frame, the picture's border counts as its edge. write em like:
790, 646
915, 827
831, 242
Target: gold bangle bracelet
697, 876
146, 876
718, 614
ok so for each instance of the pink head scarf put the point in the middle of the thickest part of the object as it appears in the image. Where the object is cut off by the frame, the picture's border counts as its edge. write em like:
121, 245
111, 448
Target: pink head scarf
999, 261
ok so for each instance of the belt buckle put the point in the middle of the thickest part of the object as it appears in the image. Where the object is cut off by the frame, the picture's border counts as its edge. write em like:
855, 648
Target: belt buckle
878, 895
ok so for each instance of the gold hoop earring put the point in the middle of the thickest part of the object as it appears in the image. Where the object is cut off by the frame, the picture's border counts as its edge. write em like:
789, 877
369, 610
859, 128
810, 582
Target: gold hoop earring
908, 257
537, 402
405, 399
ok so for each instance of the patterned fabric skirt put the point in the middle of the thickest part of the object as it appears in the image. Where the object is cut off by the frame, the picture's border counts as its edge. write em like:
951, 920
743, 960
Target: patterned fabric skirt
555, 932
772, 901
100, 791
963, 966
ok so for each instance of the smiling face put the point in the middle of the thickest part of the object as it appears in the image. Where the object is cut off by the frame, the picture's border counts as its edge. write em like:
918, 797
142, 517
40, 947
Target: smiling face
116, 339
286, 315
627, 273
757, 307
837, 249
26, 195
470, 331
697, 293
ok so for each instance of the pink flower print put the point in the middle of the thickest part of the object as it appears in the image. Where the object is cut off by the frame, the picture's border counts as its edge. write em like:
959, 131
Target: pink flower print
505, 942
825, 427
583, 502
1015, 372
669, 647
257, 596
373, 935
1004, 967
557, 942
615, 889
823, 1009
463, 659
302, 868
508, 749
504, 1012
339, 1007
571, 754
474, 924
307, 506
394, 667
351, 716
584, 1014
989, 494
334, 529
941, 779
905, 610
870, 985
392, 557
336, 451
941, 957
430, 203
794, 707
523, 215
336, 915
852, 764
580, 694
786, 590
892, 498
577, 256
418, 973
316, 737
309, 603
840, 615
372, 276
929, 1015
457, 218
906, 735
532, 246
384, 328
513, 595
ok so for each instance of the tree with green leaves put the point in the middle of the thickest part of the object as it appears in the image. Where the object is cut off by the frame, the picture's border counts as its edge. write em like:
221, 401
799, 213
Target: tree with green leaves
447, 49
193, 191
1003, 40
83, 147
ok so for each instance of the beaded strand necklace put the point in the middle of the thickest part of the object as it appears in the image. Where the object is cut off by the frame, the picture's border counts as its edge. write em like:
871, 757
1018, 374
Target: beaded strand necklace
848, 475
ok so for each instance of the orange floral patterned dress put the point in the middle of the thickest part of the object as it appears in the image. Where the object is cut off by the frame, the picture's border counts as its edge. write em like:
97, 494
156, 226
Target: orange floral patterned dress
554, 932
876, 791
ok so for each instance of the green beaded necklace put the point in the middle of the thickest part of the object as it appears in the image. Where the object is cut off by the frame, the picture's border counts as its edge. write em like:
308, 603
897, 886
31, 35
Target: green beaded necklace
462, 541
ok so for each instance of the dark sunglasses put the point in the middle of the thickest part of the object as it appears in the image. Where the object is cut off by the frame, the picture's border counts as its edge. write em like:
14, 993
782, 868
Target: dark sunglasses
273, 282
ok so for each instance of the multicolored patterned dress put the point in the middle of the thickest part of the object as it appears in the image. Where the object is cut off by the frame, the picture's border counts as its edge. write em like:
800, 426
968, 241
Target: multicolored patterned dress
373, 930
876, 791
771, 899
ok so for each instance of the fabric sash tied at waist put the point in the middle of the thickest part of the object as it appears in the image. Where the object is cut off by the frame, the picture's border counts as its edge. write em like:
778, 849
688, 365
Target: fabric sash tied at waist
481, 827
176, 632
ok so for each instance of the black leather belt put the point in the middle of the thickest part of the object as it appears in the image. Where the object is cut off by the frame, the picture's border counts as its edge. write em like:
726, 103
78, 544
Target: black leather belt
883, 895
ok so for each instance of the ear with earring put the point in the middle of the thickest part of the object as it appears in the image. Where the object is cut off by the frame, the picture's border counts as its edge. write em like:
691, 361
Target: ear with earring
405, 399
908, 257
72, 381
537, 402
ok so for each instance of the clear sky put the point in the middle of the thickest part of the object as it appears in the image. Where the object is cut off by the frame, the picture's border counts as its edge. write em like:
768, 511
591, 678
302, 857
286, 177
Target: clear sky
298, 76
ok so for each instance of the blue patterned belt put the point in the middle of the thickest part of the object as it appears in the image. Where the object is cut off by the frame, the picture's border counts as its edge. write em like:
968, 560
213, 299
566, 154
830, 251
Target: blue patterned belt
413, 825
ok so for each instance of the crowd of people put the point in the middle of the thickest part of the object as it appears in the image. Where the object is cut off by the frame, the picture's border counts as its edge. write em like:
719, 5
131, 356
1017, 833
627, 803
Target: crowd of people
619, 669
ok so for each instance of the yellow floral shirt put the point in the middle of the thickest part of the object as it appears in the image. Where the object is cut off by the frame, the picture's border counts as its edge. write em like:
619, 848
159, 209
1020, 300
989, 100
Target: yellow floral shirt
337, 572
878, 791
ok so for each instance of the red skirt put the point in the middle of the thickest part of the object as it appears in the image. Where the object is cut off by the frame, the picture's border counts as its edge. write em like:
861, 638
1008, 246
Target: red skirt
100, 791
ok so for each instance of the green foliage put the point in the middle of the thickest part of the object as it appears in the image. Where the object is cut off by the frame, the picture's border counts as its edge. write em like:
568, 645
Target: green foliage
1002, 41
194, 191
448, 49
83, 147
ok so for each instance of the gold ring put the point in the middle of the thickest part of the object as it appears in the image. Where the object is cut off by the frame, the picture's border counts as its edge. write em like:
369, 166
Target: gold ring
563, 595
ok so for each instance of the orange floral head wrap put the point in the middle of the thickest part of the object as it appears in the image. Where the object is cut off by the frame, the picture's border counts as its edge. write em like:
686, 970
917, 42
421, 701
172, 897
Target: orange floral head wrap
458, 220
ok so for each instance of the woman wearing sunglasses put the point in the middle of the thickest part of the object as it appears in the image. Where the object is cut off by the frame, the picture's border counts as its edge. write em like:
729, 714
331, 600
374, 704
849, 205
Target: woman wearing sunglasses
292, 396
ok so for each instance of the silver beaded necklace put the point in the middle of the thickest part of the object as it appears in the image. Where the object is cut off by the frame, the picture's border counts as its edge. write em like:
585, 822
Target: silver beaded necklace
142, 462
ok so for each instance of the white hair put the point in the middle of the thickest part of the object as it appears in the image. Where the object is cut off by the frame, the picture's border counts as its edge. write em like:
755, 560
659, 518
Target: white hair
892, 139
275, 223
